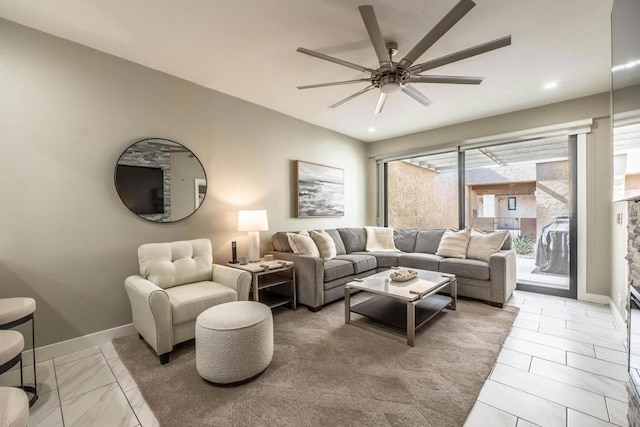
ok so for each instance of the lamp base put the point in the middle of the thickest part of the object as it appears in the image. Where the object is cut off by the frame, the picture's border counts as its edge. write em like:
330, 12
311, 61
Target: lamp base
253, 246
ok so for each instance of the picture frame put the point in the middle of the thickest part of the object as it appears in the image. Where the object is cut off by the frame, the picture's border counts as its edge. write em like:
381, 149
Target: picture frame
319, 190
511, 203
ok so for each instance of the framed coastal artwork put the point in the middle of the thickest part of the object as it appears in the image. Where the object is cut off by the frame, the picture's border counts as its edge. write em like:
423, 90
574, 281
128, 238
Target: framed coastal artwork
319, 190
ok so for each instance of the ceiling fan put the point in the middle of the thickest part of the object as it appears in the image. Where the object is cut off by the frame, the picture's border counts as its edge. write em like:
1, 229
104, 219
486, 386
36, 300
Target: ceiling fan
393, 76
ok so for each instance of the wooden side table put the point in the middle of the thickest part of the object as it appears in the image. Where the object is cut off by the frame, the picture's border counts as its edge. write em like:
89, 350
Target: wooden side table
267, 280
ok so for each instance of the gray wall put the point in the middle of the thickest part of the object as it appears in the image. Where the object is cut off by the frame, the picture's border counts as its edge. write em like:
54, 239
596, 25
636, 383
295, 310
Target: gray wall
66, 114
598, 187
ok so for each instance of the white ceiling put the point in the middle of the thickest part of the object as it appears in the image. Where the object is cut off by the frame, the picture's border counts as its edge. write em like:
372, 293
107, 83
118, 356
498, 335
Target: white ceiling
247, 49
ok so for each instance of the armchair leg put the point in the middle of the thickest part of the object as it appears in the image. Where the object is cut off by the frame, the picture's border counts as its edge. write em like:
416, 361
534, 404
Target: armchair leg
164, 358
140, 336
314, 309
497, 304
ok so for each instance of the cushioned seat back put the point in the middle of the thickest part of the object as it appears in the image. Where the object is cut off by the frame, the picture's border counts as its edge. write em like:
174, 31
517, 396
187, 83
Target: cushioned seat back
176, 263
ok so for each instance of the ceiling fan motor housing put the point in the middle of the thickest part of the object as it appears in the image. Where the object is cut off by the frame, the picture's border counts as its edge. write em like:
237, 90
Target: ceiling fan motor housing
389, 82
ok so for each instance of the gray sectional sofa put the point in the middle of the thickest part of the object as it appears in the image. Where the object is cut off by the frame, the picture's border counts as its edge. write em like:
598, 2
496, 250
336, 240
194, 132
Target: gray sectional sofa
320, 282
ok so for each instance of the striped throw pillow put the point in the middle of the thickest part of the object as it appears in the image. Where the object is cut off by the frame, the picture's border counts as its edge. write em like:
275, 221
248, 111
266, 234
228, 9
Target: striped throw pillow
454, 244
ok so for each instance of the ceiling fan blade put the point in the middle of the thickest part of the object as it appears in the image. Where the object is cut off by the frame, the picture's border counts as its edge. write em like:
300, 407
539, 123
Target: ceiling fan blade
445, 24
416, 94
349, 98
462, 54
381, 100
456, 80
345, 82
335, 60
371, 23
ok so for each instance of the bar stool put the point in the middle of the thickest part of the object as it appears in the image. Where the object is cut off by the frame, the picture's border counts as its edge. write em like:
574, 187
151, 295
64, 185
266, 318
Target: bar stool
14, 312
14, 407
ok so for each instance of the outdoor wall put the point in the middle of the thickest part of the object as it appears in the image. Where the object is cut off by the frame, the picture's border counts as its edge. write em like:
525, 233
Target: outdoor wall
599, 167
68, 112
415, 197
552, 192
526, 207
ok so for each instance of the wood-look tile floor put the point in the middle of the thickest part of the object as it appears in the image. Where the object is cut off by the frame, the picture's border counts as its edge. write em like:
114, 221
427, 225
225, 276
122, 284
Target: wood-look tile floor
563, 364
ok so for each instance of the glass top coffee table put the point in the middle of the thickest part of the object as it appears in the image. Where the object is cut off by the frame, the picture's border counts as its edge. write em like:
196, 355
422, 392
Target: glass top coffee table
403, 305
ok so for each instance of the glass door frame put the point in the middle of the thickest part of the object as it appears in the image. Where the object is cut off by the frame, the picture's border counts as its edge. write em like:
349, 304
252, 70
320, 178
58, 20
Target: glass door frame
572, 292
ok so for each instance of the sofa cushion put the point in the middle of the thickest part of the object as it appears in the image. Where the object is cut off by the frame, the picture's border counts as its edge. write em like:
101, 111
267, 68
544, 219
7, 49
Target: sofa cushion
335, 235
361, 262
386, 259
324, 242
337, 268
355, 239
469, 268
303, 244
405, 239
421, 261
454, 243
280, 242
380, 239
427, 241
188, 301
483, 245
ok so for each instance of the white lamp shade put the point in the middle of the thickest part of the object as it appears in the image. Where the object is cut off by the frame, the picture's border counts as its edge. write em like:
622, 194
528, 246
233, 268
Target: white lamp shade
253, 220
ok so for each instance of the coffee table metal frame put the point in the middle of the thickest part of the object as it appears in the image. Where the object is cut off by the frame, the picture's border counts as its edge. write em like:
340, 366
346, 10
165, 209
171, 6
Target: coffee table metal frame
390, 297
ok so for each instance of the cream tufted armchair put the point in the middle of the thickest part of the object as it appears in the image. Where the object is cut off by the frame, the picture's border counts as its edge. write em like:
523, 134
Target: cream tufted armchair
177, 282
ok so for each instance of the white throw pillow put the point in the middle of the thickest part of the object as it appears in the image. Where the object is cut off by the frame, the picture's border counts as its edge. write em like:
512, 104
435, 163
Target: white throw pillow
482, 245
303, 244
294, 248
326, 245
454, 244
380, 239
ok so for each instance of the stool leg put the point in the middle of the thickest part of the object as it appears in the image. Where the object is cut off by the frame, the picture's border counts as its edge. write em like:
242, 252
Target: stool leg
21, 375
33, 348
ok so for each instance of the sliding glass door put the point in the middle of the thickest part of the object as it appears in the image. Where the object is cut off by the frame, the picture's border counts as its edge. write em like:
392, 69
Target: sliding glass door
527, 189
422, 191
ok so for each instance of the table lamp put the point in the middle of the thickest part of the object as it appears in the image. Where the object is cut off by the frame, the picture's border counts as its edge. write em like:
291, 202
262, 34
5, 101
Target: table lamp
253, 221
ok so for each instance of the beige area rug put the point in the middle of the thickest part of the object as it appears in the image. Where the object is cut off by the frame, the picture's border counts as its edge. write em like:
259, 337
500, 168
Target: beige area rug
326, 373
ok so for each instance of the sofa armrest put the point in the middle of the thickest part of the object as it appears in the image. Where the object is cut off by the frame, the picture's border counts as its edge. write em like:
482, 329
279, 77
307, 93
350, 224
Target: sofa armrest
309, 277
238, 280
151, 312
502, 265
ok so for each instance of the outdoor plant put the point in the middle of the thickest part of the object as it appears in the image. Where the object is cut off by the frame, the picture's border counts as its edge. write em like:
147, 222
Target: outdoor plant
523, 244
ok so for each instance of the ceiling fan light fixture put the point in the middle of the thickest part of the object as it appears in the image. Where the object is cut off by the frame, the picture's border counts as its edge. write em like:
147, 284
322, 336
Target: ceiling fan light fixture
390, 84
392, 87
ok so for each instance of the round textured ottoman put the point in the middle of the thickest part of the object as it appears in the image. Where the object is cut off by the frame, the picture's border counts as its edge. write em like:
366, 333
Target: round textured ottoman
234, 342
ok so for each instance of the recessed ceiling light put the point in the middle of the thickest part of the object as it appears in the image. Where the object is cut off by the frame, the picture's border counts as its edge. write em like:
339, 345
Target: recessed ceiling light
371, 130
551, 85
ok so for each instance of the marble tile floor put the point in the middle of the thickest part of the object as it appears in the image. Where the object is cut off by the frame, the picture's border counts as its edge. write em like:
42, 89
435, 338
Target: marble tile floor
86, 388
563, 364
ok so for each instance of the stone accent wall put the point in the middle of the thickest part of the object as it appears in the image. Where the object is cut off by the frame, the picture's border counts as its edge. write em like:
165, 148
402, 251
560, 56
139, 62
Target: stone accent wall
633, 257
143, 154
633, 248
633, 415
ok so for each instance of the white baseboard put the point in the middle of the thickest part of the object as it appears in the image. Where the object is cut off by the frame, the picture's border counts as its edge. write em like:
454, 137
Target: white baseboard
618, 318
594, 298
76, 344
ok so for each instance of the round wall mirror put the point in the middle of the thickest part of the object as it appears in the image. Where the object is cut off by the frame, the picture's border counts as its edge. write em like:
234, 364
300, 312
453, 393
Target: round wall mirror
160, 180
